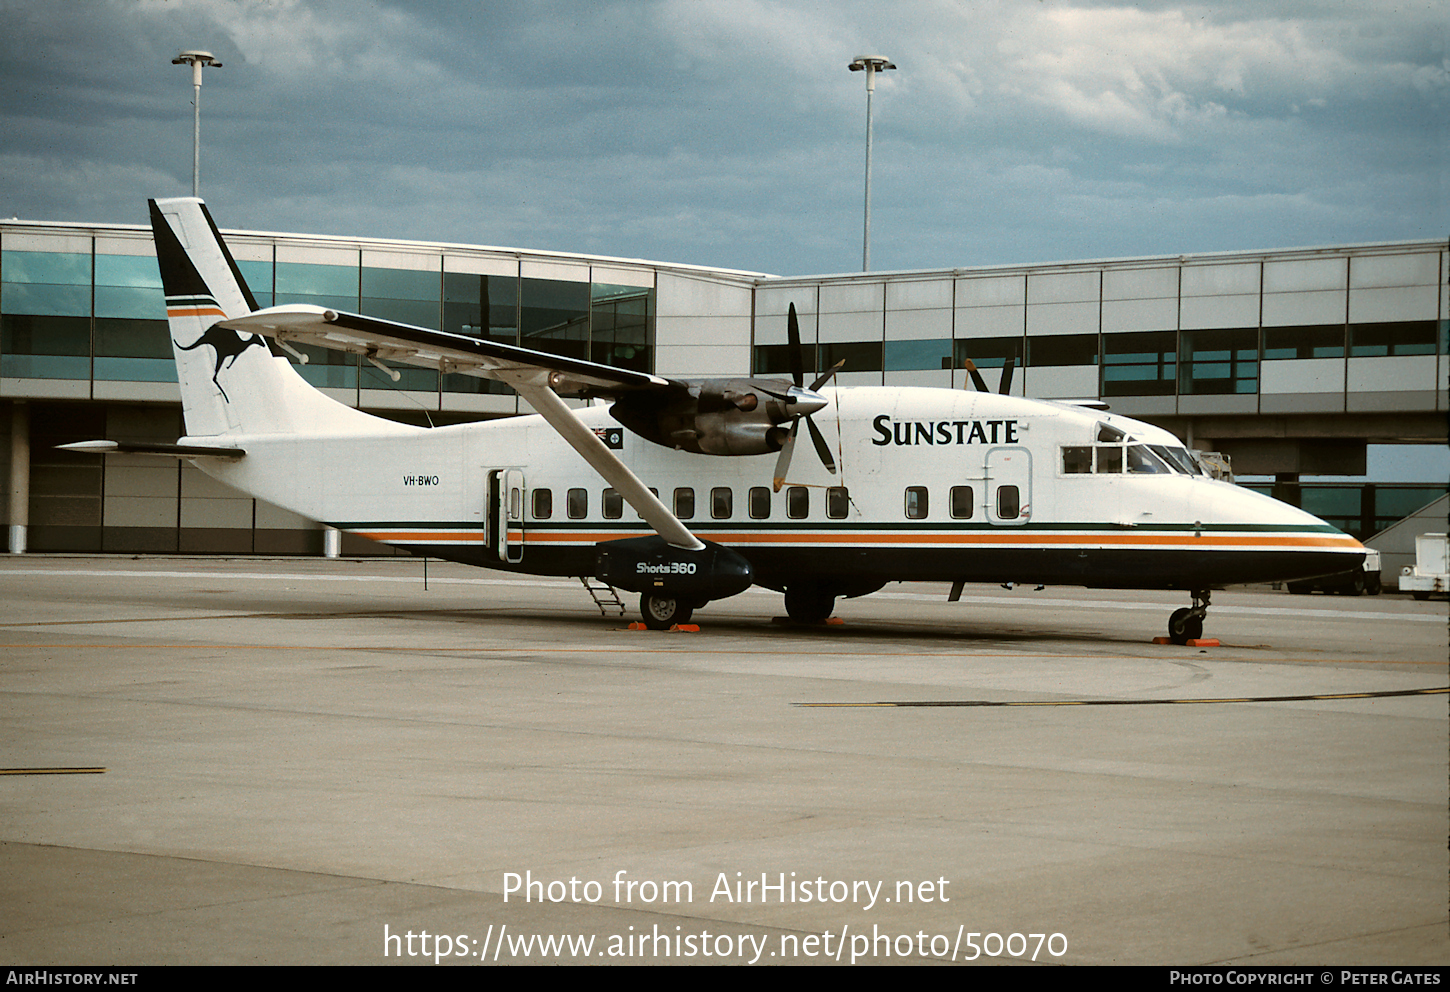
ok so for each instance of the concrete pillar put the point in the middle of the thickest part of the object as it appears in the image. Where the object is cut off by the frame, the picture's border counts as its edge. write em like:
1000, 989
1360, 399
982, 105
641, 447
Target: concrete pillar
331, 542
1286, 489
19, 475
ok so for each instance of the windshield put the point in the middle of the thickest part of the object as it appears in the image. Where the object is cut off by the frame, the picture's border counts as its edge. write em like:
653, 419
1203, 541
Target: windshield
1178, 458
1143, 461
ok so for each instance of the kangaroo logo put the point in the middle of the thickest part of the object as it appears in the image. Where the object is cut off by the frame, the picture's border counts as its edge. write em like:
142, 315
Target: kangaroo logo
228, 346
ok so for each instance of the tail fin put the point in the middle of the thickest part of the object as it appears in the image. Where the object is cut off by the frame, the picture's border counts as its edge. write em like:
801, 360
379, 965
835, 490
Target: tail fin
230, 383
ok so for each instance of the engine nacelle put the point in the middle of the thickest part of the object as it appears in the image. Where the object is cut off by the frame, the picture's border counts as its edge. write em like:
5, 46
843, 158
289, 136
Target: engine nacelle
648, 564
717, 416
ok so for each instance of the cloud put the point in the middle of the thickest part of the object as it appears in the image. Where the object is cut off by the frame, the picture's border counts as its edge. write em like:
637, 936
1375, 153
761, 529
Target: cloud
731, 133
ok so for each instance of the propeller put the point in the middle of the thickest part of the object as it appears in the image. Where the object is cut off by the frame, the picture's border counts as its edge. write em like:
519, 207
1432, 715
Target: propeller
801, 402
1004, 386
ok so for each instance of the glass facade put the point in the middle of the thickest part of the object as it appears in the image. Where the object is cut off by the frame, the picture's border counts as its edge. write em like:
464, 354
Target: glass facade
1361, 510
1139, 364
1219, 361
131, 340
45, 314
1342, 330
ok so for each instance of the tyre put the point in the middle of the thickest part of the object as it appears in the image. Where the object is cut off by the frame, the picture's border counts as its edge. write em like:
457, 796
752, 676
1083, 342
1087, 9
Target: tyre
663, 612
1183, 626
808, 604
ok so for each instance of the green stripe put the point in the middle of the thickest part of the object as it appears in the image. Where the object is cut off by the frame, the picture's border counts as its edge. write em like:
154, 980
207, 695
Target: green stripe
902, 527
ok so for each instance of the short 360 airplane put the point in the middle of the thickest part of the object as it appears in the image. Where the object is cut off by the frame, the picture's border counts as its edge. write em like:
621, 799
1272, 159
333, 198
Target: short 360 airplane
934, 484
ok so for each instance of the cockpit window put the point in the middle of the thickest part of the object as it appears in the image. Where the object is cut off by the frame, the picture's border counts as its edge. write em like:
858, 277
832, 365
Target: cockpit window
1178, 458
1108, 434
1142, 461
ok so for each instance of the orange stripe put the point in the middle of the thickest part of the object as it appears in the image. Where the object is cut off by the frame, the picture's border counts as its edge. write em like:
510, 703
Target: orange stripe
194, 312
1308, 541
1118, 540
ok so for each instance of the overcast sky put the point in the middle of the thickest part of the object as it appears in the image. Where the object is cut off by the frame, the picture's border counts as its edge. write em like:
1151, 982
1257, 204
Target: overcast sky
730, 133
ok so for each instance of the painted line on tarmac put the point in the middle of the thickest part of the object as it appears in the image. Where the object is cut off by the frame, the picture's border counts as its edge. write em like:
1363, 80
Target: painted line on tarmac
1439, 690
1096, 604
995, 601
52, 771
132, 573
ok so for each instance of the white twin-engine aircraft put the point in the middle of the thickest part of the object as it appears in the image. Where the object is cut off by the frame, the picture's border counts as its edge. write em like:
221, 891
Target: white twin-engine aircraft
909, 484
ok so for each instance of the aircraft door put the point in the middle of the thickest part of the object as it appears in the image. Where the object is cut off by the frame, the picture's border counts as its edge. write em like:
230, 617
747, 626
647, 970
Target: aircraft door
1009, 486
505, 519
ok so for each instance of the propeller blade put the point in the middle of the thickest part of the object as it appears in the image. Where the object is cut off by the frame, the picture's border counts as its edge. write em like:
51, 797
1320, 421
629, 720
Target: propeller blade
826, 376
977, 381
782, 464
822, 449
797, 356
1006, 385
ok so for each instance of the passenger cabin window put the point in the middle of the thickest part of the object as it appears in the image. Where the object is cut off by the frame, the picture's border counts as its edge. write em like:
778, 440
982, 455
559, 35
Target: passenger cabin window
613, 504
916, 502
838, 502
543, 504
1009, 503
684, 503
961, 499
760, 502
576, 504
722, 502
797, 502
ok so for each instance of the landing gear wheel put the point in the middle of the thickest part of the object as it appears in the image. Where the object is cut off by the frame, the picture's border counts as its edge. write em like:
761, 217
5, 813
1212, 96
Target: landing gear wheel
663, 612
1183, 626
1187, 624
807, 604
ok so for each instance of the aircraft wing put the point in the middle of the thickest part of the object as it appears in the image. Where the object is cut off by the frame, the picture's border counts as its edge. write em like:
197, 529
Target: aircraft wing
385, 339
539, 377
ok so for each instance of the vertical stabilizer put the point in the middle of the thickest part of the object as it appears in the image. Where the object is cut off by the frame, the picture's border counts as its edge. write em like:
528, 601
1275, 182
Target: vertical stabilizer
231, 383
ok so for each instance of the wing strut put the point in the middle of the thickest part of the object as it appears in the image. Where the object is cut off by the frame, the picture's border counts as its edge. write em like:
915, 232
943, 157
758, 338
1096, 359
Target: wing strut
583, 440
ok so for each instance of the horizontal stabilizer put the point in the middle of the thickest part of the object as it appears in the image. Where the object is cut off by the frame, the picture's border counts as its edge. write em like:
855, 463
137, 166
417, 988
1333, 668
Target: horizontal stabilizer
144, 448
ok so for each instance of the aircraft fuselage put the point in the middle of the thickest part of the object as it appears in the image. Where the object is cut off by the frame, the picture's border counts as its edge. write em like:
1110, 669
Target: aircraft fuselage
933, 484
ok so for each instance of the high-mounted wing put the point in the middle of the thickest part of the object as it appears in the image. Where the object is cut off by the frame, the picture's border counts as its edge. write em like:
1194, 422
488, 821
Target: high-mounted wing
380, 340
540, 378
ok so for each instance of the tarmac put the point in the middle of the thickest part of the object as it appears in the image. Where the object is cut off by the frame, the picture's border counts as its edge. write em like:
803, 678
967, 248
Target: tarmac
302, 761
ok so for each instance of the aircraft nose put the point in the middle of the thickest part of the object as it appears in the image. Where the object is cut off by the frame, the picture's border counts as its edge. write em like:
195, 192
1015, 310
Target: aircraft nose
801, 401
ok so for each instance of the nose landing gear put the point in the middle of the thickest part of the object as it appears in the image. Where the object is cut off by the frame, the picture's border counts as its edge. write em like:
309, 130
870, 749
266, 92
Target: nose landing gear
1187, 624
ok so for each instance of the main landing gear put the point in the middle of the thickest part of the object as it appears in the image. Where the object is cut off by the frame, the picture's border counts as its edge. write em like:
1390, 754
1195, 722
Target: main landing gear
663, 612
809, 604
1187, 624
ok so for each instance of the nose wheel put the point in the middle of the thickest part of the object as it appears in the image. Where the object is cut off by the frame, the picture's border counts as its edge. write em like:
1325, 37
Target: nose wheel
1187, 624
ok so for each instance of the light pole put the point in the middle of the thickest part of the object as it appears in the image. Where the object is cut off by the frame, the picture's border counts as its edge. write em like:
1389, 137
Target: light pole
872, 64
196, 60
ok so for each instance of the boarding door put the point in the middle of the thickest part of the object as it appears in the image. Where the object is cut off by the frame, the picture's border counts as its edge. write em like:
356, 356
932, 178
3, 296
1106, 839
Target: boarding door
1009, 486
505, 534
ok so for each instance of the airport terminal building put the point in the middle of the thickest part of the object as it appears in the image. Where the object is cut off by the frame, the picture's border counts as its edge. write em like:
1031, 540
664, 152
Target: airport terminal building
1290, 362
